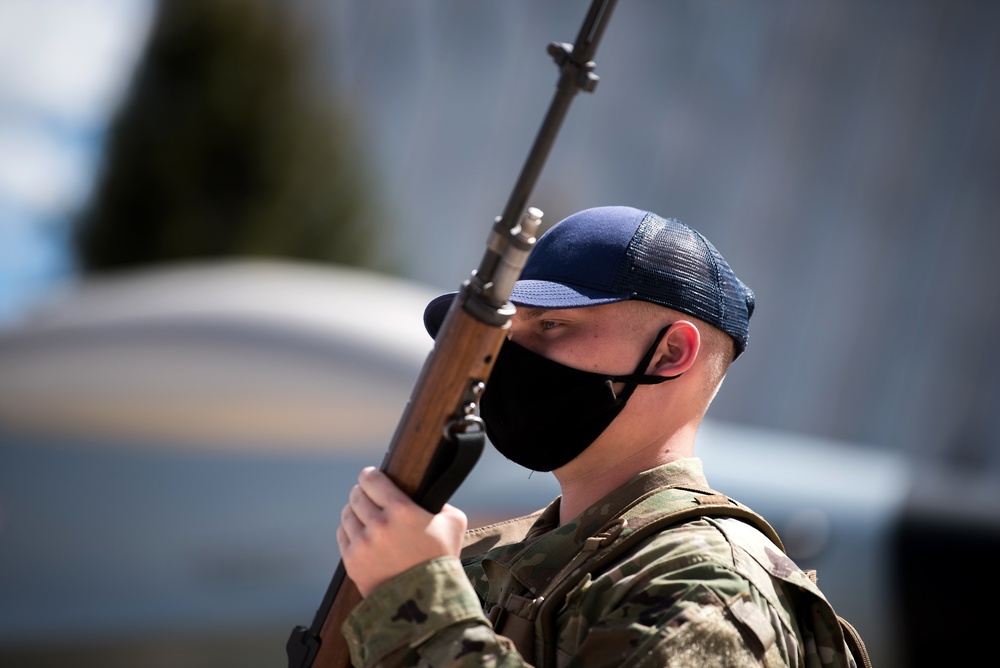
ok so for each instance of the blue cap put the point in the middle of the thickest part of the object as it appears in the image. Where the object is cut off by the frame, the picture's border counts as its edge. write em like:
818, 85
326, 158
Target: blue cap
616, 253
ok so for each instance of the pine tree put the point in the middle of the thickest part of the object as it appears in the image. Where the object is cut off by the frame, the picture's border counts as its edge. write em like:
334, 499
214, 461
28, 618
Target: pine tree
225, 147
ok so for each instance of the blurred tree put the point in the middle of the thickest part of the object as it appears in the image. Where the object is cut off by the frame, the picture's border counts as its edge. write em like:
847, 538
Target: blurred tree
225, 146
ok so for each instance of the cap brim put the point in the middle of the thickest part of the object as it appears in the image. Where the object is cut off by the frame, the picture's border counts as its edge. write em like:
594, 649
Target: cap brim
550, 295
529, 294
435, 312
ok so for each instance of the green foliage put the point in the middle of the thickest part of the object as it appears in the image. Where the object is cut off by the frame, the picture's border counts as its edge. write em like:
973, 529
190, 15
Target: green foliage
225, 147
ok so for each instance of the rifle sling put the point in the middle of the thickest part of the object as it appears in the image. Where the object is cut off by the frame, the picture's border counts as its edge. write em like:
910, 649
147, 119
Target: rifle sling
452, 462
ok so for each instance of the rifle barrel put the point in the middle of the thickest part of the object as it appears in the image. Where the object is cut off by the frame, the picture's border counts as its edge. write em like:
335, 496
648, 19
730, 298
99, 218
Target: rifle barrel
466, 344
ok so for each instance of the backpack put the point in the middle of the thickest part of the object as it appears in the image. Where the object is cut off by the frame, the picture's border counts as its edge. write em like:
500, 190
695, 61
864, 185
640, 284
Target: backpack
532, 630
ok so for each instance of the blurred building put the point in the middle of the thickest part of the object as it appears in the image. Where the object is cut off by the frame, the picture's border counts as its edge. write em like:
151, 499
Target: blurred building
843, 156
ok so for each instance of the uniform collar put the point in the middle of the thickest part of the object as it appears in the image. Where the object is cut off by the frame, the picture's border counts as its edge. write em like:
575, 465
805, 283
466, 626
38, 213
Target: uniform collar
547, 547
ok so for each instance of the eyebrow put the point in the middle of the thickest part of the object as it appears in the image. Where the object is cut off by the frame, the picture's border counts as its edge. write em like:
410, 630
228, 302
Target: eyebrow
531, 313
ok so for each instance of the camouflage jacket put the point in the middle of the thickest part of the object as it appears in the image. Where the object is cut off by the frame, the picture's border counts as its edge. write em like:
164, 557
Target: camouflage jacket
711, 591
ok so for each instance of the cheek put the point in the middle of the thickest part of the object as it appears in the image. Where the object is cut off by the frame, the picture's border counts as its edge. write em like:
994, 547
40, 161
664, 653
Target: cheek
599, 355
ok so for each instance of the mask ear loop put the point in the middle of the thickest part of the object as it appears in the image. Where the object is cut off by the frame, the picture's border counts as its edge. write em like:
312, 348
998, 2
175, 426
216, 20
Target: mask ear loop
637, 377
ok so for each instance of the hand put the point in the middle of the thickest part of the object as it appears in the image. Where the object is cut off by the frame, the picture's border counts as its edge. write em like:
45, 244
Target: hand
383, 532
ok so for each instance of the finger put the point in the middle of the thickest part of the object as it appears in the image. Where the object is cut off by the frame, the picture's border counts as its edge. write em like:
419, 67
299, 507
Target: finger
454, 512
367, 511
380, 488
350, 524
343, 541
456, 516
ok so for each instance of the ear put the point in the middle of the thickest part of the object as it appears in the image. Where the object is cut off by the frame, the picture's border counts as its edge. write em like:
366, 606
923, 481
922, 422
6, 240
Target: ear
677, 351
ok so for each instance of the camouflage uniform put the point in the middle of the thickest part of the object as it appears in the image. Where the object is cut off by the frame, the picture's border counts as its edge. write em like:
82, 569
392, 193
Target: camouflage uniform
711, 591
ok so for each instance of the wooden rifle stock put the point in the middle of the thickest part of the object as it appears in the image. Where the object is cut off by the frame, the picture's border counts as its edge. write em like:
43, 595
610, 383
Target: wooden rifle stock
439, 438
441, 386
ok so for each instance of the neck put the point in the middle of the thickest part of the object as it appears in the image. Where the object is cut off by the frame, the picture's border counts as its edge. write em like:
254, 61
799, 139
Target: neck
602, 468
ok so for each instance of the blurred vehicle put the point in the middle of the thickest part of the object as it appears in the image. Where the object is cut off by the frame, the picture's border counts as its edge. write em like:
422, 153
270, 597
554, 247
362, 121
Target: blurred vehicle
176, 444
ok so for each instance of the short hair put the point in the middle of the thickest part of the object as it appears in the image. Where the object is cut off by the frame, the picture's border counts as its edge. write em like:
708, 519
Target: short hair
718, 350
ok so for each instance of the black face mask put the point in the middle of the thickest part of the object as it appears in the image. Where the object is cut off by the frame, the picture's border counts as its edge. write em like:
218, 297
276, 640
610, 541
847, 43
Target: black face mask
542, 414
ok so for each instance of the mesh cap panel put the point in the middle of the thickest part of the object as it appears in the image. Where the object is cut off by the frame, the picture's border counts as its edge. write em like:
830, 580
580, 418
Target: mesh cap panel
670, 264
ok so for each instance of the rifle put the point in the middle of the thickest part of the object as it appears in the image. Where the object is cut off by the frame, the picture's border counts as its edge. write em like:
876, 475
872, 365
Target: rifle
439, 438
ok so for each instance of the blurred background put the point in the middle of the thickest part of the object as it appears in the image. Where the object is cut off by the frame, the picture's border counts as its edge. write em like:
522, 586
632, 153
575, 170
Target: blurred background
220, 220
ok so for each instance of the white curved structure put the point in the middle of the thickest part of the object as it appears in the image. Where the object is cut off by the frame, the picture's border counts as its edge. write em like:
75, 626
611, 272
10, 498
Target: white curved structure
176, 445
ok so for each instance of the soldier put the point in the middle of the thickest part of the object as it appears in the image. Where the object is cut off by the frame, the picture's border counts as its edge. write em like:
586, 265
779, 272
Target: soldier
626, 325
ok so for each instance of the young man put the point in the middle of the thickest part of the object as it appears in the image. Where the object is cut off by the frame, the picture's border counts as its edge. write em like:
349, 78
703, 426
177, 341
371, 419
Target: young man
626, 324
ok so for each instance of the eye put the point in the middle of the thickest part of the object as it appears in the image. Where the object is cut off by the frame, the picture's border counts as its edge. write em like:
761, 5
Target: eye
546, 325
